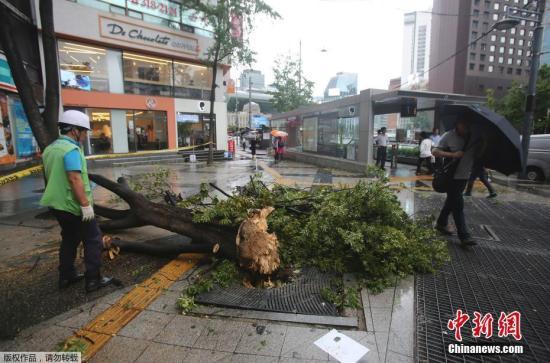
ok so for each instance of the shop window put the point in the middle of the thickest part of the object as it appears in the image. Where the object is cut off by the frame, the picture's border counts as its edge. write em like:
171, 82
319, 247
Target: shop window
101, 136
83, 67
7, 147
147, 130
191, 129
25, 143
309, 134
117, 10
192, 81
147, 75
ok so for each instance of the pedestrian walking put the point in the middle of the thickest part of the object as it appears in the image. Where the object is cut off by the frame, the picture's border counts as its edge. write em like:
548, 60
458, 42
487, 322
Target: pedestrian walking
382, 144
274, 144
253, 144
69, 196
280, 148
435, 137
478, 171
425, 156
453, 147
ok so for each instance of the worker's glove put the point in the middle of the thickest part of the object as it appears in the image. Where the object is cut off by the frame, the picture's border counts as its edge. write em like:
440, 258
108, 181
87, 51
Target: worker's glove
87, 213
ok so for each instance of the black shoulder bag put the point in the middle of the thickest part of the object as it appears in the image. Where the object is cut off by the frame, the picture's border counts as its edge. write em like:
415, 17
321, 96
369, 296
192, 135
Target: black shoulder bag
443, 174
445, 171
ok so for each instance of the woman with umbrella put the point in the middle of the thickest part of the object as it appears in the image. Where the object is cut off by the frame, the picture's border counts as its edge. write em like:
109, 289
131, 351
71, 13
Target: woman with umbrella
279, 144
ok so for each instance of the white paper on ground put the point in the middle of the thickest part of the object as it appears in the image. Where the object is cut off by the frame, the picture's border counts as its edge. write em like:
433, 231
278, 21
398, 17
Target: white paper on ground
341, 347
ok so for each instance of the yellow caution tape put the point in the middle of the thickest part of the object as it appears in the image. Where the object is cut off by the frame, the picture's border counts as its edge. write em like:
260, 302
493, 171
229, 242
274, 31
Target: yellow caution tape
20, 174
38, 168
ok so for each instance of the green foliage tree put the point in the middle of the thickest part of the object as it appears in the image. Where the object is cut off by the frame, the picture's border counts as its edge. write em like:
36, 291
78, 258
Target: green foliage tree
292, 89
512, 105
227, 18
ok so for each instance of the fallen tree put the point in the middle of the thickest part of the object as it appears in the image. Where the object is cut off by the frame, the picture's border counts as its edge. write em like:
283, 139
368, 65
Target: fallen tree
362, 229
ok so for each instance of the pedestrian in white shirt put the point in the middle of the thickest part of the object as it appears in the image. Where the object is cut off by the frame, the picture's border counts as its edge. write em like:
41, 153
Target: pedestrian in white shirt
382, 144
425, 153
435, 137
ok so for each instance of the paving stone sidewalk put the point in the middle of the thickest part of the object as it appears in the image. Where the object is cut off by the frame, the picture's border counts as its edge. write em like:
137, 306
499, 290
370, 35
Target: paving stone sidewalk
161, 333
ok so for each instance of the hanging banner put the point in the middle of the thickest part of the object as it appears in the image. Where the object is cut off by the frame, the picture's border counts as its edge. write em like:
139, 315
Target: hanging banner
25, 144
6, 80
7, 154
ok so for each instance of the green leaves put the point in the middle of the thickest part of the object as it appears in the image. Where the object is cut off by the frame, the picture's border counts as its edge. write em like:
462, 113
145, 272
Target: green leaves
362, 229
512, 105
292, 89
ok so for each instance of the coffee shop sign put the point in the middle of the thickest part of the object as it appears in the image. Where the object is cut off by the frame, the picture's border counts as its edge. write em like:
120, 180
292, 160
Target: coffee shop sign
120, 30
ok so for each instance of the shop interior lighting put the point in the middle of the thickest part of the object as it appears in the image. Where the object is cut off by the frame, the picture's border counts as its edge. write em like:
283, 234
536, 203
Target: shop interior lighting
78, 46
145, 58
146, 61
191, 65
76, 60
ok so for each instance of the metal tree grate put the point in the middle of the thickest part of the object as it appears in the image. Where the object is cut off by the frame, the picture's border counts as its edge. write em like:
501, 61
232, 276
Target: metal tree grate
511, 273
301, 296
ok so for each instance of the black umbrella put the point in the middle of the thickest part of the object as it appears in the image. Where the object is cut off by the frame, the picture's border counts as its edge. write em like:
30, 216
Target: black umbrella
499, 142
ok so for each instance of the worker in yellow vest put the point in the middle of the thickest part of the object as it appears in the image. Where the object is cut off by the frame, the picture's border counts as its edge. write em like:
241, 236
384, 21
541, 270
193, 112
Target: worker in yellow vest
69, 196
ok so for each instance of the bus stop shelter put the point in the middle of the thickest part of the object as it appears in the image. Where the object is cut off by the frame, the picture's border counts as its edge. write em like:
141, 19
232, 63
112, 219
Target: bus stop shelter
340, 133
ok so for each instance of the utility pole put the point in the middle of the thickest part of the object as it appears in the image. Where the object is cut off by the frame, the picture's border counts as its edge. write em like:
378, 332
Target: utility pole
300, 68
250, 100
532, 87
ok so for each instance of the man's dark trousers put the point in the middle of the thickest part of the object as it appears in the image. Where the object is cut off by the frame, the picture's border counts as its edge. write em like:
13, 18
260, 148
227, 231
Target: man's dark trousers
481, 173
455, 204
74, 230
381, 156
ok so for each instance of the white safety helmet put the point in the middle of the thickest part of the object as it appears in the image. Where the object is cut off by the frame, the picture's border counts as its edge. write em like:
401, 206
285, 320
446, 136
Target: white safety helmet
75, 118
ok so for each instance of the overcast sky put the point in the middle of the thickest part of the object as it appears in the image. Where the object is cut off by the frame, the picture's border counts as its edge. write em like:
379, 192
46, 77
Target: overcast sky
361, 36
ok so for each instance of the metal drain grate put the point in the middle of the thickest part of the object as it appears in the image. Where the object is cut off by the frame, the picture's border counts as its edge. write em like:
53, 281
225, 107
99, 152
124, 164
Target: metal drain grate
302, 296
513, 274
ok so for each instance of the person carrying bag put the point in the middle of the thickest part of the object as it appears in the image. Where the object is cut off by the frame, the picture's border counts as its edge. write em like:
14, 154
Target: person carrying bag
451, 178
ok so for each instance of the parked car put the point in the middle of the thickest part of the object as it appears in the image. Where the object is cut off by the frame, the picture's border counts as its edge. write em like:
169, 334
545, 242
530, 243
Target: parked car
538, 161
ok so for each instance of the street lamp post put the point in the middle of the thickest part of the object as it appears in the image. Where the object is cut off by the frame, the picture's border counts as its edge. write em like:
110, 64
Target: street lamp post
515, 15
532, 88
249, 101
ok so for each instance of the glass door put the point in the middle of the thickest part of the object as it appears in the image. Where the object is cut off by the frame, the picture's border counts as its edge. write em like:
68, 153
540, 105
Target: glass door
132, 139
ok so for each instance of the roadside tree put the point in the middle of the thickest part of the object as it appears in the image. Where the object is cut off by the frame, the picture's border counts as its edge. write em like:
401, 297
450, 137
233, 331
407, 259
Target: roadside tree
292, 89
512, 105
229, 21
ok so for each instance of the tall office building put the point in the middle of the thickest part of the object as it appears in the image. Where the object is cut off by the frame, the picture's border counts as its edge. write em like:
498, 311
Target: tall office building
342, 85
416, 50
492, 62
257, 78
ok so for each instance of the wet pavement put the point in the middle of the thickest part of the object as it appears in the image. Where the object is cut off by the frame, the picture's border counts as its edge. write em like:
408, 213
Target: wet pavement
390, 321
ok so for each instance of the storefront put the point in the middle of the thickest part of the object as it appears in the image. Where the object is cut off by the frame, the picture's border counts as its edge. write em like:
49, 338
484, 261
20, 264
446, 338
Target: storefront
17, 143
134, 79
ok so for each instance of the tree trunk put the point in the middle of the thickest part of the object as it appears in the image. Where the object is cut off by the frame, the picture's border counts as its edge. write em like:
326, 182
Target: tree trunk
40, 129
49, 44
250, 244
212, 126
175, 219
